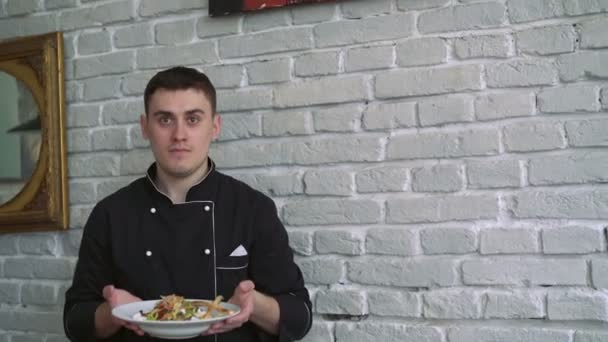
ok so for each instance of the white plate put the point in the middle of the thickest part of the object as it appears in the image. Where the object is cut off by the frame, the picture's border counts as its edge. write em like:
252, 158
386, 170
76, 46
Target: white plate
173, 330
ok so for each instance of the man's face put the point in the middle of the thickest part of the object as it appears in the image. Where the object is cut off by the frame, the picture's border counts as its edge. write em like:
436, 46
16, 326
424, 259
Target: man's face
180, 126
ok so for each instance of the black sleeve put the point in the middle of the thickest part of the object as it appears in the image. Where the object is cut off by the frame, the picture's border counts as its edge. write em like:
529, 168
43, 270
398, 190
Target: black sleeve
275, 273
91, 275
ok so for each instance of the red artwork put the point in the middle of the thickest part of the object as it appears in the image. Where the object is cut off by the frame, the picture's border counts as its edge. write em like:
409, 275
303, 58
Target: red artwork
224, 7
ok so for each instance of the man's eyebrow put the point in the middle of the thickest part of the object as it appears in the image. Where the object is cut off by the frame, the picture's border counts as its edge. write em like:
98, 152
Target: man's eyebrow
162, 112
195, 111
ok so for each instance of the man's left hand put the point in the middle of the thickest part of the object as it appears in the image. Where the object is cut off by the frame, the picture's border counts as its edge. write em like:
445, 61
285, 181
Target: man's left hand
244, 297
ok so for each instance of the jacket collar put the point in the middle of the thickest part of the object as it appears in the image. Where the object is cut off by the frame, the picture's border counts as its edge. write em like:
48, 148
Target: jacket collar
197, 190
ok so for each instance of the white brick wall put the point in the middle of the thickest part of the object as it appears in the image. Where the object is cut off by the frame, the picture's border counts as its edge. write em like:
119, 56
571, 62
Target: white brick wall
436, 161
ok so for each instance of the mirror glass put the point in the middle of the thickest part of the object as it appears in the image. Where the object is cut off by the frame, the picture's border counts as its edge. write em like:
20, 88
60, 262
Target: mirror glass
20, 136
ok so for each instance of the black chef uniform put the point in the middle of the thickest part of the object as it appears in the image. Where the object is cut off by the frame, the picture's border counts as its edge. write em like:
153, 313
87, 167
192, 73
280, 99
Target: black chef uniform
225, 232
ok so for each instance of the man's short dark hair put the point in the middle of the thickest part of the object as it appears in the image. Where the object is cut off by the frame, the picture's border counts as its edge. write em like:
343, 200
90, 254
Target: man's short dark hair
180, 78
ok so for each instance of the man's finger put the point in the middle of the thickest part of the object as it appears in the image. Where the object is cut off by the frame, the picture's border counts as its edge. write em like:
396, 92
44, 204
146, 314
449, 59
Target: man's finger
246, 285
107, 292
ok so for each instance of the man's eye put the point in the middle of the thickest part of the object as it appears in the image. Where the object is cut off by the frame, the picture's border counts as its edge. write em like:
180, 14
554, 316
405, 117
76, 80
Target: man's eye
164, 120
193, 119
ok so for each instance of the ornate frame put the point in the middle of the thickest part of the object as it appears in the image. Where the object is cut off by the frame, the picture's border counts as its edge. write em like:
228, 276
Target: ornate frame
42, 204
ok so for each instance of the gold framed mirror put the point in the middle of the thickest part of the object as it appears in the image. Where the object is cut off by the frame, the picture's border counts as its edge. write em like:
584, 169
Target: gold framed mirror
33, 153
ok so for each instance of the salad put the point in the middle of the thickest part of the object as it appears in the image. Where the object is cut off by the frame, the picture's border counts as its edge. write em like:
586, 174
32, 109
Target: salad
176, 308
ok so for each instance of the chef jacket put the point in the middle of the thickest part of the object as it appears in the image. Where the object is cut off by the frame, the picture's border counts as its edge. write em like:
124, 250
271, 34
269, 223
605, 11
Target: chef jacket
225, 232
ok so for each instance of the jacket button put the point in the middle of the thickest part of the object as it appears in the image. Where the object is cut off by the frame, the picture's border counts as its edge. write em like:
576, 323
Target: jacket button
207, 251
148, 253
152, 210
207, 208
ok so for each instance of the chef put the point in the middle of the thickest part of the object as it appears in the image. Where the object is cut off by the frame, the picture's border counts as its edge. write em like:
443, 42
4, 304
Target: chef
186, 229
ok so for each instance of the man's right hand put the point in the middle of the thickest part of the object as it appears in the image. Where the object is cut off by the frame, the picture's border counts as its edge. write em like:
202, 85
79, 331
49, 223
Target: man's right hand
107, 325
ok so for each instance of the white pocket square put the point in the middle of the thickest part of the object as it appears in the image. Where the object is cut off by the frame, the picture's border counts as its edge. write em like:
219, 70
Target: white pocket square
239, 251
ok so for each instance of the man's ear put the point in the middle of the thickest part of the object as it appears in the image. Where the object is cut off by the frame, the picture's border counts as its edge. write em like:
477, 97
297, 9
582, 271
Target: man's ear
143, 125
217, 125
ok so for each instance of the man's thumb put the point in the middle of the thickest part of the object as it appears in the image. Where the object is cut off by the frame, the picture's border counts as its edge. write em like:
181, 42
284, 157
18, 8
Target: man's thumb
246, 285
107, 292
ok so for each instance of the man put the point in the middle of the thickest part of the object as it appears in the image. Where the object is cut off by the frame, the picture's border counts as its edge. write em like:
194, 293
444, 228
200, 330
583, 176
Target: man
186, 229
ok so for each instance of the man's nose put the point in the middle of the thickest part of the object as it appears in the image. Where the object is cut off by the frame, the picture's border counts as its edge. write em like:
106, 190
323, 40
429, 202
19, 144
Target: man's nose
180, 133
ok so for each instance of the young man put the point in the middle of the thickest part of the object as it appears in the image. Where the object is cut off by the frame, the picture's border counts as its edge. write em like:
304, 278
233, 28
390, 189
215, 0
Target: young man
186, 229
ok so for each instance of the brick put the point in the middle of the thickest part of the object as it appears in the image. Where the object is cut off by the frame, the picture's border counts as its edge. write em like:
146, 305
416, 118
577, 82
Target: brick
570, 204
328, 182
38, 244
571, 168
282, 40
107, 187
439, 178
422, 51
82, 192
320, 331
389, 115
79, 215
79, 140
579, 98
592, 33
581, 64
97, 15
443, 145
428, 81
514, 304
8, 244
27, 338
240, 126
493, 174
546, 40
587, 132
502, 105
317, 64
327, 211
133, 35
98, 165
94, 42
338, 242
135, 162
56, 4
464, 17
599, 273
112, 63
340, 302
266, 20
520, 73
122, 112
101, 88
407, 5
9, 292
313, 13
577, 305
286, 123
349, 32
533, 136
225, 76
531, 10
403, 272
604, 98
391, 241
164, 56
243, 99
578, 7
448, 240
573, 240
301, 242
337, 119
452, 304
319, 151
134, 84
394, 303
381, 179
31, 321
446, 109
269, 71
37, 268
509, 241
368, 58
150, 8
110, 139
73, 91
38, 294
361, 8
441, 208
480, 46
314, 91
136, 137
20, 7
506, 333
323, 271
590, 336
387, 332
174, 32
217, 26
524, 271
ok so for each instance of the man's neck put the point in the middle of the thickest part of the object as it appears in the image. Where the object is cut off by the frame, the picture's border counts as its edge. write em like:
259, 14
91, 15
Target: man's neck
177, 187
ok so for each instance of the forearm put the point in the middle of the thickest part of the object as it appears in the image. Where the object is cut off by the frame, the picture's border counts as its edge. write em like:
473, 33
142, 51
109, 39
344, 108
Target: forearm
266, 313
104, 325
